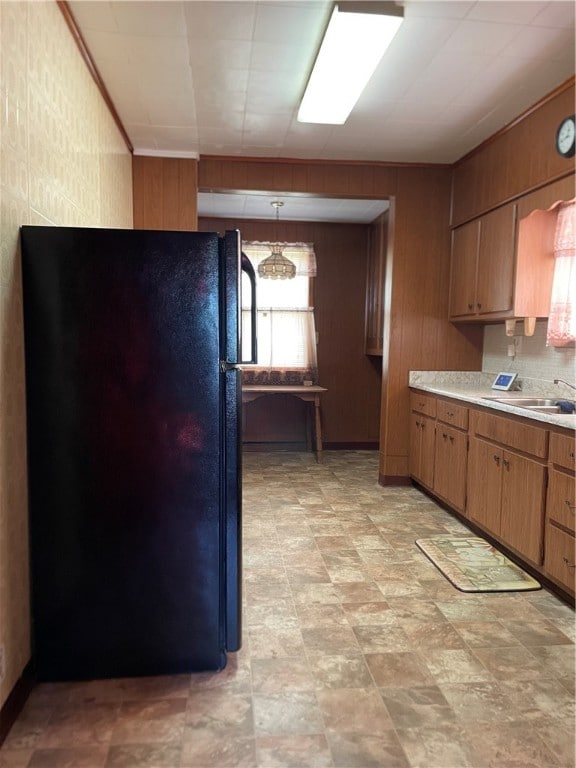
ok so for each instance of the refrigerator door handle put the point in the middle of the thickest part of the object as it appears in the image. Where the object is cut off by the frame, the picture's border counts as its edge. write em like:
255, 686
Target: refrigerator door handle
249, 270
226, 366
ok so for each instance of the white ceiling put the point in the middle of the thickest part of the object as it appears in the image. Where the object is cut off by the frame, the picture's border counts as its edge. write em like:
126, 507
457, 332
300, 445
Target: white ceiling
295, 208
226, 78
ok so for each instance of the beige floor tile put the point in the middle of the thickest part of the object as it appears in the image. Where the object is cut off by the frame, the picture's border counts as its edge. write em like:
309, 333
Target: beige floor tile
510, 745
417, 707
343, 670
209, 750
354, 710
302, 751
403, 670
283, 714
363, 750
278, 675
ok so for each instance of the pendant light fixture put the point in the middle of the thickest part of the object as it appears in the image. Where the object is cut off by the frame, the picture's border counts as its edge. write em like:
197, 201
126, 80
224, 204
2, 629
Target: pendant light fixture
277, 266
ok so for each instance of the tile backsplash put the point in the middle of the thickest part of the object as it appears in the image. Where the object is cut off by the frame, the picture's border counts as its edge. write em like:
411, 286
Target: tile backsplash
62, 162
533, 358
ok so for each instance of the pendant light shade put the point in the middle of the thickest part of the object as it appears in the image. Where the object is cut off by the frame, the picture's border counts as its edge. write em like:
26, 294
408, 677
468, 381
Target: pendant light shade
277, 266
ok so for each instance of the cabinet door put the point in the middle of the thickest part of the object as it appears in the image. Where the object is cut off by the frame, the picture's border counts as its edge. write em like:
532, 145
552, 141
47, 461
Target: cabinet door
414, 459
450, 465
463, 270
442, 461
421, 459
375, 287
560, 499
458, 469
523, 493
496, 253
560, 562
428, 457
484, 484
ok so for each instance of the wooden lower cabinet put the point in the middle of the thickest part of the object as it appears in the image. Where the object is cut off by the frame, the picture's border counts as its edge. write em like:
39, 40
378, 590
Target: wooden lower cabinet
510, 476
422, 448
506, 494
522, 509
560, 555
560, 560
484, 484
450, 458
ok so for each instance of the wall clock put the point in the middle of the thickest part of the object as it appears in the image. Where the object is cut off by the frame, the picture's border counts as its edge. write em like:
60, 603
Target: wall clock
566, 137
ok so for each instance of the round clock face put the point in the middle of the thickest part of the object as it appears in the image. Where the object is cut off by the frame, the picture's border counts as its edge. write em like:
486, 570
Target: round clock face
566, 137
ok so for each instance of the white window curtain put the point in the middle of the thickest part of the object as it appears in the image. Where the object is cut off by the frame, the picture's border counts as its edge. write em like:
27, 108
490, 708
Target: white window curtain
562, 319
285, 322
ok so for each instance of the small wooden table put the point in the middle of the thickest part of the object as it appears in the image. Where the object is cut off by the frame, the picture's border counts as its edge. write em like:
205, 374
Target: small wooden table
309, 394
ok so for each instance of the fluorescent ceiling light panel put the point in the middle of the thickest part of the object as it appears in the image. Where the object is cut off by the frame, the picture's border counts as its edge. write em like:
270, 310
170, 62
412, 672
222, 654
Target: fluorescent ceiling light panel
353, 45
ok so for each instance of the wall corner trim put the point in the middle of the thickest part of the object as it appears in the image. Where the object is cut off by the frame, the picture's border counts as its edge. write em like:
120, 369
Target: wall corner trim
89, 61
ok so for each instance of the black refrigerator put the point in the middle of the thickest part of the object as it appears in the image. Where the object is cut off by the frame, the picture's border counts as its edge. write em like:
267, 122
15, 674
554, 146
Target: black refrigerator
132, 343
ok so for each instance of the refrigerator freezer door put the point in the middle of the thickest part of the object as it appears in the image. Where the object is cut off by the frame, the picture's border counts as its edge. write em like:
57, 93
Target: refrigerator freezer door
124, 398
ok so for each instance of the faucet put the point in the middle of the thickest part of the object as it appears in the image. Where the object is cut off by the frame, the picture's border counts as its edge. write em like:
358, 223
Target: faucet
557, 381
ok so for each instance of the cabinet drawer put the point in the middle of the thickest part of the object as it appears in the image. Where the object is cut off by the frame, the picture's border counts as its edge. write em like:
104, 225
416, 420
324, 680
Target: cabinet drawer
423, 404
515, 434
560, 503
451, 413
562, 450
560, 558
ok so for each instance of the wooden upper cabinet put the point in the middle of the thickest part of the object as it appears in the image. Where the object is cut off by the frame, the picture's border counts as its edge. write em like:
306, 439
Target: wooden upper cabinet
496, 251
377, 246
502, 267
483, 253
465, 241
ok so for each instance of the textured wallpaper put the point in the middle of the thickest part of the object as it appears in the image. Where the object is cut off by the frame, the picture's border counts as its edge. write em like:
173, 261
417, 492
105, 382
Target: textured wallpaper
62, 162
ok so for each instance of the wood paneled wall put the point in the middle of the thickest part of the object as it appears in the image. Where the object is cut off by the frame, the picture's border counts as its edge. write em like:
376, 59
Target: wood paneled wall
515, 161
417, 334
165, 193
351, 406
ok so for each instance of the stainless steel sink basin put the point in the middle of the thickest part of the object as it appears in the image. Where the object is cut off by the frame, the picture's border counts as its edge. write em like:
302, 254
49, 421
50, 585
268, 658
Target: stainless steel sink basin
542, 404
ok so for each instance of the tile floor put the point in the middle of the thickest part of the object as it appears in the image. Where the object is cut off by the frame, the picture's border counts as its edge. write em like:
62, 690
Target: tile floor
357, 652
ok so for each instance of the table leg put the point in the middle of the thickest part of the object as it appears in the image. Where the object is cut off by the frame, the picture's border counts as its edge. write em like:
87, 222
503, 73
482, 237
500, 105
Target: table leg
318, 430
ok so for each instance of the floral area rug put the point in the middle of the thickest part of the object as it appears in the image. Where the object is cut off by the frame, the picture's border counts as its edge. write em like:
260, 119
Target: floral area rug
474, 565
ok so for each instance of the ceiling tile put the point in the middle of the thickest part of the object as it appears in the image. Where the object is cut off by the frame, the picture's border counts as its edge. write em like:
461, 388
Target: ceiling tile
510, 12
220, 20
150, 18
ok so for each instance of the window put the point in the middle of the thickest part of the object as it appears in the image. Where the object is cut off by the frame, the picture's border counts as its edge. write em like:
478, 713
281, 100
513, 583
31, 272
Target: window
285, 319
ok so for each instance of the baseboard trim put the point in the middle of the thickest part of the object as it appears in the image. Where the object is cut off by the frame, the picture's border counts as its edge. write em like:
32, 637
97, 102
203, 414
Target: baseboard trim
15, 702
366, 446
393, 480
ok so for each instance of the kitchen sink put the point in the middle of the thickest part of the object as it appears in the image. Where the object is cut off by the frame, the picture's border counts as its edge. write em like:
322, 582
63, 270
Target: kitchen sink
542, 404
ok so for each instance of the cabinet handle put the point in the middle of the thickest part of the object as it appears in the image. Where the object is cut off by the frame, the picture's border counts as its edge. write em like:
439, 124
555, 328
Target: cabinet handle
470, 306
506, 463
568, 563
444, 435
496, 458
479, 305
571, 454
451, 438
569, 505
450, 415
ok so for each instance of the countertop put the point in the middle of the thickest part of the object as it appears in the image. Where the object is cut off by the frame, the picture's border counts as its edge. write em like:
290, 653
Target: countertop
472, 387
